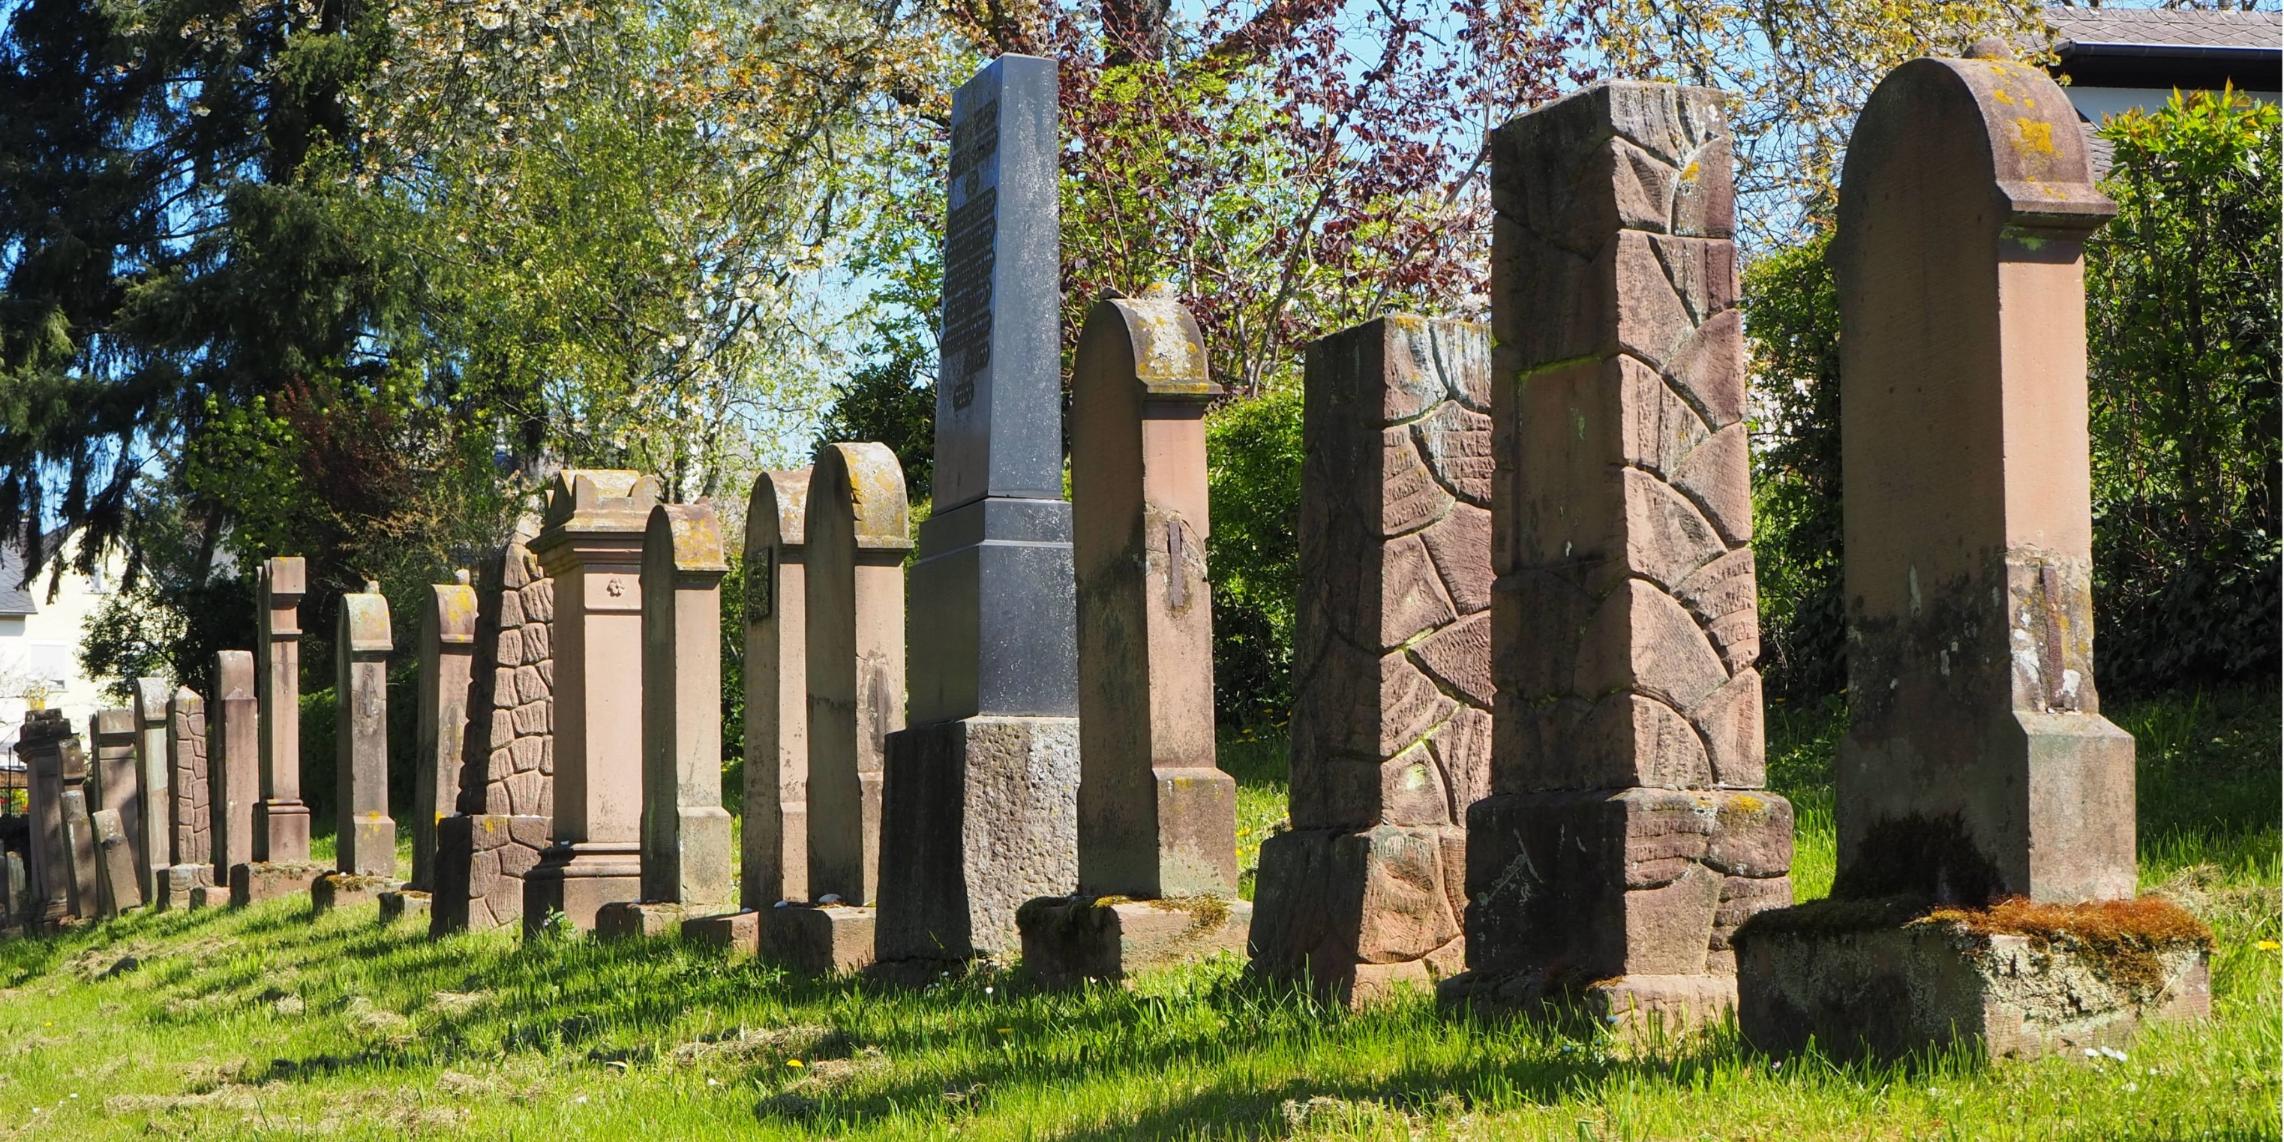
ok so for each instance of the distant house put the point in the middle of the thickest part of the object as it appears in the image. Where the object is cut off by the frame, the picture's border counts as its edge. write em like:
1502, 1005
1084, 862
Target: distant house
2118, 59
39, 648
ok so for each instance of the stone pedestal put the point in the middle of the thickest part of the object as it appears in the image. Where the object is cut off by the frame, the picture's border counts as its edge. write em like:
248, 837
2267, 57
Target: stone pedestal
256, 881
737, 933
406, 904
685, 830
281, 820
178, 883
591, 546
482, 860
813, 939
774, 860
1392, 662
339, 889
447, 652
639, 918
365, 836
153, 831
1080, 938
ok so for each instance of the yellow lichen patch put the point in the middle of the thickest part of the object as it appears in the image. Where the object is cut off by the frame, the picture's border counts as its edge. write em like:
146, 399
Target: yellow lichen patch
2035, 135
1748, 803
1689, 173
2000, 96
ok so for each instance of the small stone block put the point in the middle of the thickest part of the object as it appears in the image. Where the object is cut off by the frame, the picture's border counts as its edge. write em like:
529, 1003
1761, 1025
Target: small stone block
346, 890
403, 904
736, 933
1068, 939
818, 939
638, 919
263, 880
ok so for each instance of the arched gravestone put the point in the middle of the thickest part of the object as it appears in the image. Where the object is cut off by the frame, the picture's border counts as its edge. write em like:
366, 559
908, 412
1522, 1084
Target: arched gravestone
234, 760
1977, 765
116, 782
447, 651
364, 835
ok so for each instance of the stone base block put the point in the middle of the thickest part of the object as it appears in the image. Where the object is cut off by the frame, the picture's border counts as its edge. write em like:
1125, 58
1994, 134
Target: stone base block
281, 832
1867, 980
1642, 1008
979, 815
264, 880
635, 919
348, 890
177, 882
209, 896
737, 933
405, 903
1592, 885
1067, 939
576, 881
819, 939
1361, 912
481, 860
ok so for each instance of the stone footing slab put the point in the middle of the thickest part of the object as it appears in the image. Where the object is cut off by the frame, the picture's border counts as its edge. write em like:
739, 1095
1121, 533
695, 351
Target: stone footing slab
405, 903
481, 860
1639, 1008
1068, 939
177, 882
1866, 979
348, 890
638, 919
819, 939
262, 880
737, 933
578, 881
1361, 912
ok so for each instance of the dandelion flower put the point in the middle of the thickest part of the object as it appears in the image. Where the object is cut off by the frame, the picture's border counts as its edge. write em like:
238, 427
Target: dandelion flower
2268, 945
795, 1063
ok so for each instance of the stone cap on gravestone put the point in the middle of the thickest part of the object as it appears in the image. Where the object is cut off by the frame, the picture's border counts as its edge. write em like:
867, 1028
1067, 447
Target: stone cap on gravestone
151, 698
775, 511
365, 617
1168, 349
693, 538
591, 500
115, 727
455, 610
881, 512
233, 674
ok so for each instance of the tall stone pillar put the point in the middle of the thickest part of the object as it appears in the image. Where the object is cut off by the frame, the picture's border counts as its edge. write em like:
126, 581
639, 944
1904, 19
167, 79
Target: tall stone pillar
1157, 818
1391, 728
116, 783
685, 830
52, 761
281, 820
980, 804
774, 844
152, 833
234, 763
447, 651
191, 817
1627, 832
591, 546
364, 836
1977, 766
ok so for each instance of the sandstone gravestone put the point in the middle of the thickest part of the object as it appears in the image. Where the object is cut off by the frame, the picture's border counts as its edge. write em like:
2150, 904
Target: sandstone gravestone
1976, 766
364, 836
281, 820
685, 830
152, 834
234, 764
506, 782
980, 808
1391, 729
591, 546
1157, 818
115, 864
1627, 833
774, 846
859, 531
447, 649
191, 819
115, 781
50, 769
83, 888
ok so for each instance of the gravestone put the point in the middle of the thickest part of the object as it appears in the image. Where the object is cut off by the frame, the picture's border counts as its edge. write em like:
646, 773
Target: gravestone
447, 650
281, 820
774, 846
50, 769
115, 864
1627, 832
685, 830
1391, 727
83, 883
364, 836
506, 793
1157, 830
1976, 770
15, 885
979, 810
191, 820
234, 763
115, 781
152, 834
858, 533
591, 546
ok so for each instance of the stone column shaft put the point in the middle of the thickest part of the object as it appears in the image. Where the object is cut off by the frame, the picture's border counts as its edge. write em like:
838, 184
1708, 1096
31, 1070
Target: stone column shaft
366, 837
234, 760
153, 832
685, 830
281, 822
775, 858
447, 659
192, 816
51, 768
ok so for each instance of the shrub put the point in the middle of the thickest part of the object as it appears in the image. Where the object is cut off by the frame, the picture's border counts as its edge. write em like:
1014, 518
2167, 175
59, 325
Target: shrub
1253, 459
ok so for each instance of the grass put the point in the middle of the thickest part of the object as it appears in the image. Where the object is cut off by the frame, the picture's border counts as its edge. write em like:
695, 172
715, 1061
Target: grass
262, 1022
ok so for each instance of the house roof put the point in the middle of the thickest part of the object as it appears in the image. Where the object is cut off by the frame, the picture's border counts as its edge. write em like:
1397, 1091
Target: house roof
15, 597
2168, 47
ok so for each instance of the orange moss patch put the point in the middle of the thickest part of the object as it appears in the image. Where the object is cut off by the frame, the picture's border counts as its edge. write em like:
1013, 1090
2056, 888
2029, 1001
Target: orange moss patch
2153, 920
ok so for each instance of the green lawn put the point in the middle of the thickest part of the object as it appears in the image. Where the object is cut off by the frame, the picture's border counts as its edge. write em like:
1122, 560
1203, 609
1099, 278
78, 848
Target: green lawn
262, 1022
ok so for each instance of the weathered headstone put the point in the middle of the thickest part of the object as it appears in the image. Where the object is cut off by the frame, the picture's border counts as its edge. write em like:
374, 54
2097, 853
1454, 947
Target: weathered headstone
774, 846
234, 761
191, 818
83, 896
591, 546
115, 864
685, 830
447, 650
115, 781
50, 769
152, 831
1391, 728
858, 533
281, 820
980, 805
364, 836
1976, 766
15, 892
1627, 833
1157, 818
506, 790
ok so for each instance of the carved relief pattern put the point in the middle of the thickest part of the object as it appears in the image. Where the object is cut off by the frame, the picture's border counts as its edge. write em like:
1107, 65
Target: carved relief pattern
193, 821
510, 750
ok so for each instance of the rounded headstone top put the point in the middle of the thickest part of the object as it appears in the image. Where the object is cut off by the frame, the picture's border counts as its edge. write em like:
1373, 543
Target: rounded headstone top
1161, 339
365, 622
777, 513
151, 695
454, 606
186, 701
874, 484
233, 674
115, 722
688, 534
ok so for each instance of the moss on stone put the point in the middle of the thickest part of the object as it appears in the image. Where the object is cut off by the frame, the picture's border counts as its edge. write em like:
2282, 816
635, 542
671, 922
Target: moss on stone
2120, 940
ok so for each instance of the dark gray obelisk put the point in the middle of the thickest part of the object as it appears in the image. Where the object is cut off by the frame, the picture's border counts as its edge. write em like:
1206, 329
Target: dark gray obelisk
980, 794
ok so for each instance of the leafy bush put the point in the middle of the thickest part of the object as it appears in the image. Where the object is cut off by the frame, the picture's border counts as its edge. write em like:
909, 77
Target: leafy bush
1253, 467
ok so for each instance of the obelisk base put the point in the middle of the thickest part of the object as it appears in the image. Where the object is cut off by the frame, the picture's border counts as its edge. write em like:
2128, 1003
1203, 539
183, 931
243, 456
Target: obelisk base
979, 815
347, 890
481, 862
269, 880
577, 880
1362, 913
1069, 939
281, 832
1882, 979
